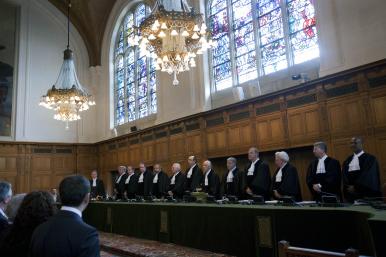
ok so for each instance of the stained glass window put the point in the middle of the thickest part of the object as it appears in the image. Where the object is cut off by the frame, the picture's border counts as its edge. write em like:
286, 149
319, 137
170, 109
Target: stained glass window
135, 85
259, 37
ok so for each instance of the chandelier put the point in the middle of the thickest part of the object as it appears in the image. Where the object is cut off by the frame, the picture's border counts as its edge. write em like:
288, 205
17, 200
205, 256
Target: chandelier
173, 35
67, 97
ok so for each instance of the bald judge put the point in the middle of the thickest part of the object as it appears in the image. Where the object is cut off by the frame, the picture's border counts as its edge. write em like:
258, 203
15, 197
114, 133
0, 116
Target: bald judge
360, 173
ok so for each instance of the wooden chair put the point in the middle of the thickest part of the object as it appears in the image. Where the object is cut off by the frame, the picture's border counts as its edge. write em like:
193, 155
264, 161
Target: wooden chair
285, 250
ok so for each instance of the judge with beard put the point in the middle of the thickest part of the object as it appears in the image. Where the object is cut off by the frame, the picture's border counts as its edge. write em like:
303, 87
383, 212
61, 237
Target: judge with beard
286, 180
231, 181
160, 182
193, 175
131, 183
211, 181
360, 173
177, 182
257, 178
119, 186
323, 174
145, 181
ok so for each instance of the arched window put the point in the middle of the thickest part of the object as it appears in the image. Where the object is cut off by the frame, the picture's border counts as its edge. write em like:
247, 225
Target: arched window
134, 74
259, 37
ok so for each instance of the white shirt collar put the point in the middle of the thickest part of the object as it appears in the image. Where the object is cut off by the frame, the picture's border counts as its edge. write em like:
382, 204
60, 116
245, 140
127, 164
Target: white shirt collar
191, 171
251, 169
320, 168
3, 213
119, 179
173, 180
359, 154
323, 158
71, 209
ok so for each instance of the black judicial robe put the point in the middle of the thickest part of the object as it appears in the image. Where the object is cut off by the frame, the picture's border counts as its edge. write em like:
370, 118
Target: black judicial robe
145, 187
366, 181
98, 190
232, 188
330, 181
178, 188
194, 181
132, 186
161, 187
120, 187
213, 187
259, 182
289, 185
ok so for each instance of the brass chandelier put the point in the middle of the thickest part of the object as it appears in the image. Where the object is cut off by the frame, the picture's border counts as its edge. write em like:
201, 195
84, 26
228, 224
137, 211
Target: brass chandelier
173, 35
67, 97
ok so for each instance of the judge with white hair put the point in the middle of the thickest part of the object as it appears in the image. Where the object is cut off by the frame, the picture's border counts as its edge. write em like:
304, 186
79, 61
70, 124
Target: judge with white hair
285, 180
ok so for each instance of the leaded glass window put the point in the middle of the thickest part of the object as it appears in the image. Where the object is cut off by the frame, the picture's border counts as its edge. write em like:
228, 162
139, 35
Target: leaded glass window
259, 37
135, 81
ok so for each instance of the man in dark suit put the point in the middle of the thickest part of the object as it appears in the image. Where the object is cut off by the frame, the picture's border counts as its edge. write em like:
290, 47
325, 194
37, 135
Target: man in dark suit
145, 181
119, 186
5, 197
257, 178
193, 175
97, 186
285, 180
231, 181
177, 182
160, 182
131, 183
211, 181
360, 174
323, 174
65, 234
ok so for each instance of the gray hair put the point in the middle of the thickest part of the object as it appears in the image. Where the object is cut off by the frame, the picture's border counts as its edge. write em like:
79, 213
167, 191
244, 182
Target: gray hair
321, 145
209, 163
282, 156
5, 191
232, 159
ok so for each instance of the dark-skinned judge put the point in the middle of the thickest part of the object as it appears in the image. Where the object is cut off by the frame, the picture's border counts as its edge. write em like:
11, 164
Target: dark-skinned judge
360, 173
97, 186
231, 181
119, 186
145, 181
285, 180
160, 182
177, 182
211, 181
131, 183
323, 174
193, 175
257, 178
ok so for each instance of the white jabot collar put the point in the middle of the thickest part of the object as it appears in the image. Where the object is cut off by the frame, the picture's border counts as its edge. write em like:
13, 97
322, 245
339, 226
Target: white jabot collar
3, 213
71, 209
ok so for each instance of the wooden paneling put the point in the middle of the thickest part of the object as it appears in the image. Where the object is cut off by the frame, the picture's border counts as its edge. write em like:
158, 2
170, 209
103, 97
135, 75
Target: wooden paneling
270, 131
239, 137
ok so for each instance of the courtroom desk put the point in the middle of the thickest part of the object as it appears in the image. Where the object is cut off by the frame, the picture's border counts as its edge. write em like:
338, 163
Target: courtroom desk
244, 230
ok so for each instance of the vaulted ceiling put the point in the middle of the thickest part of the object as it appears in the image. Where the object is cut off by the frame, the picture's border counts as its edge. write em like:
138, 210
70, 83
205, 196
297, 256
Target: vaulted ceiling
90, 19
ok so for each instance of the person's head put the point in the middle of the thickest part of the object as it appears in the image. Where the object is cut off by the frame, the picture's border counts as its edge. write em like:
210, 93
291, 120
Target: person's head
142, 167
130, 170
192, 160
5, 193
253, 154
176, 167
320, 149
356, 144
75, 192
14, 205
157, 168
206, 165
281, 158
231, 163
121, 170
94, 174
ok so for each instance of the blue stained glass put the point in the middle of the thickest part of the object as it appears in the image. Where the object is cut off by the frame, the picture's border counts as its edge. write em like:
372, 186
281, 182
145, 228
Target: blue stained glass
222, 71
152, 83
244, 35
265, 6
274, 57
153, 103
301, 14
242, 13
221, 59
142, 67
217, 5
219, 24
119, 49
143, 107
222, 46
120, 112
131, 110
142, 87
131, 92
271, 32
140, 14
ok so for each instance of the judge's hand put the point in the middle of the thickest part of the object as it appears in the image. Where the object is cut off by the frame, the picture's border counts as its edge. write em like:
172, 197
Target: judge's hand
351, 189
249, 191
276, 194
170, 193
115, 190
316, 188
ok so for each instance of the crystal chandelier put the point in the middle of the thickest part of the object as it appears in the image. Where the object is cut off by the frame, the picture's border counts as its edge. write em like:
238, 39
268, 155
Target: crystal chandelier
173, 35
67, 97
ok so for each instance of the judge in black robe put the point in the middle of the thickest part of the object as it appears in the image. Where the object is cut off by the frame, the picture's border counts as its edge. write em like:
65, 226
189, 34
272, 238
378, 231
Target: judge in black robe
285, 181
119, 185
360, 174
210, 181
177, 182
145, 181
131, 183
160, 182
97, 186
323, 174
193, 175
256, 177
232, 179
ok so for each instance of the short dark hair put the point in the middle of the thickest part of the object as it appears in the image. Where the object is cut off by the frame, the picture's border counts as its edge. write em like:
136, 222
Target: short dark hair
73, 190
